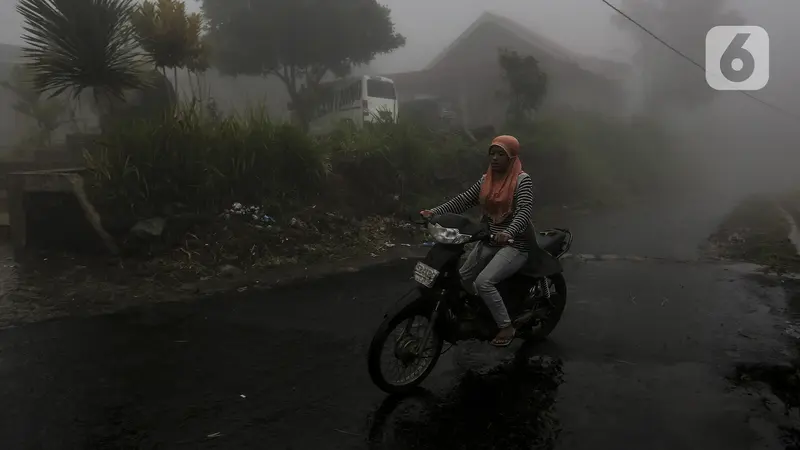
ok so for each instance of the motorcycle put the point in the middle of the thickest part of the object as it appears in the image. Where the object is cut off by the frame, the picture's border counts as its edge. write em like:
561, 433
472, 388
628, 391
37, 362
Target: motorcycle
535, 298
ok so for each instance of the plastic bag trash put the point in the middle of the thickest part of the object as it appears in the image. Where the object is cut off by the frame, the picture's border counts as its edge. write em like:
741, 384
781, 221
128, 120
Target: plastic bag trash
251, 212
428, 244
792, 331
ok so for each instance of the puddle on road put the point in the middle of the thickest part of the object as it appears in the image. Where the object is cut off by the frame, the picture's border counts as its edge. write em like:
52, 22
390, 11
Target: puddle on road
509, 406
44, 285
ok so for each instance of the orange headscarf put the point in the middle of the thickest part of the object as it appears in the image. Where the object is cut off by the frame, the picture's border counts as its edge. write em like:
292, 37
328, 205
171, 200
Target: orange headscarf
497, 192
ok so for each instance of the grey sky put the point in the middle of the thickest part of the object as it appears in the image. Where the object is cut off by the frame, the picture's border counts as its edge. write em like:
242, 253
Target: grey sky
430, 25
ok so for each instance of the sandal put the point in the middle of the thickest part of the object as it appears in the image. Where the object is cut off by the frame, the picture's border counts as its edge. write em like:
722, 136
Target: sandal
504, 342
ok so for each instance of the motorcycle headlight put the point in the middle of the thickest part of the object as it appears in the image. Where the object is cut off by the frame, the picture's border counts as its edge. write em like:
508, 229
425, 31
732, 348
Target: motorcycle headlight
444, 235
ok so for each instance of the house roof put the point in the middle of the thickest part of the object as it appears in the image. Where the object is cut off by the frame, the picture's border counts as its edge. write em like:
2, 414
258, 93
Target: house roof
552, 49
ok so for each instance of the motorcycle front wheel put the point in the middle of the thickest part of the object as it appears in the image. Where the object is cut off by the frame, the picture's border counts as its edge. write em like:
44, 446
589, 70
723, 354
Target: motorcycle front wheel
397, 360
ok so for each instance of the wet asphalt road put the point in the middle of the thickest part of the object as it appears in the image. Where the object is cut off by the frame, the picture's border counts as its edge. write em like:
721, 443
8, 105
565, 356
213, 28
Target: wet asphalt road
669, 228
642, 353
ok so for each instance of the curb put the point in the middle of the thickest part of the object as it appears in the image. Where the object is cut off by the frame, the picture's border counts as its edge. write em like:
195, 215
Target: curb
281, 277
288, 276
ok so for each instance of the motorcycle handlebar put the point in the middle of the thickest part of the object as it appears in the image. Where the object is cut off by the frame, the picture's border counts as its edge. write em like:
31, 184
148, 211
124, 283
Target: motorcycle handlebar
424, 221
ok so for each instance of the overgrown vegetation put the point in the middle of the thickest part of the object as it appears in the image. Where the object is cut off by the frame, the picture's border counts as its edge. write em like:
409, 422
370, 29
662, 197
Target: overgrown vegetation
195, 162
757, 231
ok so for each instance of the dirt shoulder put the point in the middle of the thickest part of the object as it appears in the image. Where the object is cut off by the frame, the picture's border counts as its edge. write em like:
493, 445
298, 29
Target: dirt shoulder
757, 231
225, 255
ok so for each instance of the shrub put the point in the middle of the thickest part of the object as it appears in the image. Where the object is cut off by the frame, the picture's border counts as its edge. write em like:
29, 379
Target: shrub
390, 167
591, 159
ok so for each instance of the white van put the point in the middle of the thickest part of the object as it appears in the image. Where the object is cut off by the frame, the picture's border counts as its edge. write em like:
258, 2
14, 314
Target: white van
359, 100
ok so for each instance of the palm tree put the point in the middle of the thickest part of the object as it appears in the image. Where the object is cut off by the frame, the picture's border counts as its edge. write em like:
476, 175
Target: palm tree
76, 45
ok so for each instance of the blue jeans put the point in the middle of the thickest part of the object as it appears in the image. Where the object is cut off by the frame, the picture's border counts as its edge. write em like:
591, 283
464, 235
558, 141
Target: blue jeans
485, 267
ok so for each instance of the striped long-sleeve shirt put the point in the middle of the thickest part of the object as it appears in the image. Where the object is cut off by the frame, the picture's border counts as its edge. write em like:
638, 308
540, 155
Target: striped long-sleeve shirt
515, 224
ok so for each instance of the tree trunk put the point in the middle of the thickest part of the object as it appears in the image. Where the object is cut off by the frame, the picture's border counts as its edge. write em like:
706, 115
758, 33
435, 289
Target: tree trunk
300, 115
175, 77
103, 107
192, 85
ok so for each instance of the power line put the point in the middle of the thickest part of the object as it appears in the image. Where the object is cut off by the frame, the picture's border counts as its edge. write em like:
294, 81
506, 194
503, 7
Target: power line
695, 63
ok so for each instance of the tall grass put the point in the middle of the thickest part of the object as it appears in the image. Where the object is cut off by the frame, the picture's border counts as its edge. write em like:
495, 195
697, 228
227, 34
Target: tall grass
194, 161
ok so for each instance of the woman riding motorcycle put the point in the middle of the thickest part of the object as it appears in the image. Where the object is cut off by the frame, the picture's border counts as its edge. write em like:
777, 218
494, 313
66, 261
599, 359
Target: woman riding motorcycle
505, 194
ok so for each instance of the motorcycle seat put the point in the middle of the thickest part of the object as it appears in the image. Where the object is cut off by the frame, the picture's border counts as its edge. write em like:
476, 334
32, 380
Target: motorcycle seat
551, 241
542, 259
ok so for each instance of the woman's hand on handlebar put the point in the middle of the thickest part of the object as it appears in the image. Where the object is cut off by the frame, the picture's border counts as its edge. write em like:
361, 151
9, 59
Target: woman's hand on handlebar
502, 238
425, 215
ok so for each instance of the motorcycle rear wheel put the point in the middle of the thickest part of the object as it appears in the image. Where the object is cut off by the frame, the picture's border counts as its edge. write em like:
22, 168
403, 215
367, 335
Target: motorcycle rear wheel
404, 349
